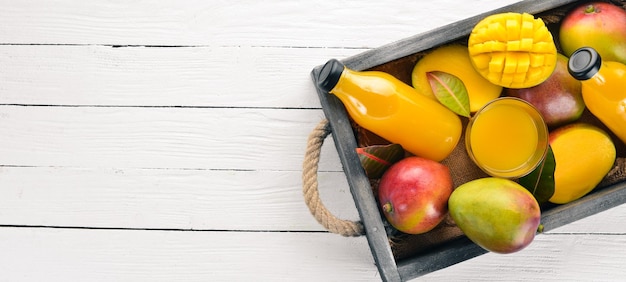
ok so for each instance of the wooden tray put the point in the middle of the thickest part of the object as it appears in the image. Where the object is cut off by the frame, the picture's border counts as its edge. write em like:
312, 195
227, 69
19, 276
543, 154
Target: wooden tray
398, 59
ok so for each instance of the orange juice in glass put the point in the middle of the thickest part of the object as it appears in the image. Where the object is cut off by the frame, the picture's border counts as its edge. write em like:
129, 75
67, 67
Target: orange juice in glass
507, 138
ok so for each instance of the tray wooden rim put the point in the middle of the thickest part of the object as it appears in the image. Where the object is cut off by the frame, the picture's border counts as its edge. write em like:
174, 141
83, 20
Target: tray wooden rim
345, 142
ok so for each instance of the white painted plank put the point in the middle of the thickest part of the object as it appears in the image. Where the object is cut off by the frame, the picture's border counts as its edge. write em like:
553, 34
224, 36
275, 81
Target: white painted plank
156, 167
113, 255
125, 255
608, 222
166, 198
548, 258
200, 76
191, 138
191, 199
323, 23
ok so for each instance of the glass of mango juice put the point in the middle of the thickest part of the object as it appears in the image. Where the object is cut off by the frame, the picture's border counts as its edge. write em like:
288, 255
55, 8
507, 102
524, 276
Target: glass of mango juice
507, 138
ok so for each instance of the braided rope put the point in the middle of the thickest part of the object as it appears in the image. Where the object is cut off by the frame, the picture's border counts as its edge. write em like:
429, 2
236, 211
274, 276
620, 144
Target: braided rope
310, 191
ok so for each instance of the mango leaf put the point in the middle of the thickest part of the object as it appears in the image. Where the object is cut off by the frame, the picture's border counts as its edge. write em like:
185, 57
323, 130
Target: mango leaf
376, 159
450, 91
540, 182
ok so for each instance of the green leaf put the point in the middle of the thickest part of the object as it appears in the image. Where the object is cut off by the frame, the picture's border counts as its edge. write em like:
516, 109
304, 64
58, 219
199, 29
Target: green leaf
450, 91
540, 182
376, 159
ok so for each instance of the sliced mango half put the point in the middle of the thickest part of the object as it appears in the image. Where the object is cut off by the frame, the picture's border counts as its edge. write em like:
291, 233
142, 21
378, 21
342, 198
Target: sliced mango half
513, 50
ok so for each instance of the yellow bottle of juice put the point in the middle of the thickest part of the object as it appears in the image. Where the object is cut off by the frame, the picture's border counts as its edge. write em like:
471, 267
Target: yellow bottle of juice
603, 88
388, 107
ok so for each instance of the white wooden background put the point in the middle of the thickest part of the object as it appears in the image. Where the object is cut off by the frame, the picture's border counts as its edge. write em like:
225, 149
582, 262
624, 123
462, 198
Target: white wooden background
163, 141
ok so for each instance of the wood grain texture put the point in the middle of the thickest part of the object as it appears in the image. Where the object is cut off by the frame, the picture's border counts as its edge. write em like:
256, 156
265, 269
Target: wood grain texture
606, 222
163, 140
237, 76
354, 24
166, 198
137, 255
139, 137
549, 258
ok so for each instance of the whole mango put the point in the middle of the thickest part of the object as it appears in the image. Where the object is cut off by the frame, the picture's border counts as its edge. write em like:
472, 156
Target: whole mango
599, 25
497, 214
455, 60
584, 154
559, 98
413, 194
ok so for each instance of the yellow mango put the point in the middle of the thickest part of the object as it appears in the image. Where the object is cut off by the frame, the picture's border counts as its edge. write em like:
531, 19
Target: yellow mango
454, 59
584, 154
509, 40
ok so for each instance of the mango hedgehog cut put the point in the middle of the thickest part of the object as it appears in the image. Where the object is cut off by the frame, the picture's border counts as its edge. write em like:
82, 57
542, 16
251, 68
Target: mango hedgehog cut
513, 50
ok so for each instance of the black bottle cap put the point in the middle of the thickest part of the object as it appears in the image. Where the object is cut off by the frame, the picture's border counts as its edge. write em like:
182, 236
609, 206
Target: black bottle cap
584, 63
329, 75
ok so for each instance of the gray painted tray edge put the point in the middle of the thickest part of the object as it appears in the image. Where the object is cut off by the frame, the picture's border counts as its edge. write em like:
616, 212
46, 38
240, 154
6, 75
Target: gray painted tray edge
345, 141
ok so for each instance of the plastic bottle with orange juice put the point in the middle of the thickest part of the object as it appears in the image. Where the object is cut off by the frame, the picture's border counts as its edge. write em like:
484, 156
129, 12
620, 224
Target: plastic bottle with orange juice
603, 88
394, 110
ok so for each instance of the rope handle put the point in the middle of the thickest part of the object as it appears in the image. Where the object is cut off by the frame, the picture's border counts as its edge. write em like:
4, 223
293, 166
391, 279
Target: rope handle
310, 191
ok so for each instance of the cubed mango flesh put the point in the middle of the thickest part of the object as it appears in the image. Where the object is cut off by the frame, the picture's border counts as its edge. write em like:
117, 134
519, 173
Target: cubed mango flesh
512, 50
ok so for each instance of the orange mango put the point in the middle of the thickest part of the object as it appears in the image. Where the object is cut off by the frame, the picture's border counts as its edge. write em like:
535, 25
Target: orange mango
584, 154
454, 59
513, 50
